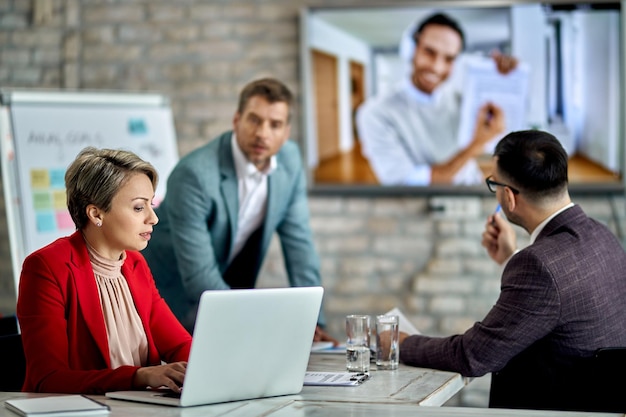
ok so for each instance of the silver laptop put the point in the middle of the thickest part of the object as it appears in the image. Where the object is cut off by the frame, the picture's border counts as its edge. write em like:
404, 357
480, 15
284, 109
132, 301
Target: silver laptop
246, 344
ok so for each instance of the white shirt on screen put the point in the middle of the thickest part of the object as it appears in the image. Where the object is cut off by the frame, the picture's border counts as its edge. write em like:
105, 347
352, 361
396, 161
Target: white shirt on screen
406, 131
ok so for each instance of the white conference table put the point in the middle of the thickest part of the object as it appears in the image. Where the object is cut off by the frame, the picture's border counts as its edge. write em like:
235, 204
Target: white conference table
395, 393
407, 384
295, 406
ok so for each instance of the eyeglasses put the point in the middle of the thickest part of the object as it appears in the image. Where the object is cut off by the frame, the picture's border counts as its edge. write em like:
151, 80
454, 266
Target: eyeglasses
491, 184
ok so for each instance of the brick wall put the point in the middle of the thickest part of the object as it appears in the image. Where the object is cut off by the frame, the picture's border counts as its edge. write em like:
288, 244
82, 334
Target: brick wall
376, 252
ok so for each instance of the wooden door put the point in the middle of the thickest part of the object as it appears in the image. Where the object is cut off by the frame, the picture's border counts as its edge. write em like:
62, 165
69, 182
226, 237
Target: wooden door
326, 103
357, 91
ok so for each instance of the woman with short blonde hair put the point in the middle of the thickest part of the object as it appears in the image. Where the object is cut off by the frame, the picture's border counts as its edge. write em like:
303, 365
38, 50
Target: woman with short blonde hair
91, 317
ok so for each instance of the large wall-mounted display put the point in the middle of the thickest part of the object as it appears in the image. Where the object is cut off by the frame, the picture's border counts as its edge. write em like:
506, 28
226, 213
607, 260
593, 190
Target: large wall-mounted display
383, 115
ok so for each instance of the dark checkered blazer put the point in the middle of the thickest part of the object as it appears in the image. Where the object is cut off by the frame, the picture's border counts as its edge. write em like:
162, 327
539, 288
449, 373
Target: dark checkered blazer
561, 298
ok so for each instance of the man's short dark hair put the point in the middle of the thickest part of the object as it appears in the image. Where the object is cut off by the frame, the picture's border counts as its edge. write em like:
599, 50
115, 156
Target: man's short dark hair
534, 162
270, 89
442, 20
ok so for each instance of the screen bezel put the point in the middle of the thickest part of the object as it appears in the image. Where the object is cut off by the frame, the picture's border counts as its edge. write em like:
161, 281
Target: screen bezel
355, 189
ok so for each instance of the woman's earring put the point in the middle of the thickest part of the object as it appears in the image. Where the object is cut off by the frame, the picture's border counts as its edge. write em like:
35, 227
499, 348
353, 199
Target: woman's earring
99, 224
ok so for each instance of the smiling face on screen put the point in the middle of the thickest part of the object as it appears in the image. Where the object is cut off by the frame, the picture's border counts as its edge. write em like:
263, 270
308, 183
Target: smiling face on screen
436, 49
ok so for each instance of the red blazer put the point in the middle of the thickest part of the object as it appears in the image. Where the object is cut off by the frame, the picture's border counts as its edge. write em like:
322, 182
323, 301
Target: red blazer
62, 325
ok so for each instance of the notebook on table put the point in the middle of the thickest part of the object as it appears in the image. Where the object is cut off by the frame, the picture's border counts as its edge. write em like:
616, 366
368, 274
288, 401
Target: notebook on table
246, 344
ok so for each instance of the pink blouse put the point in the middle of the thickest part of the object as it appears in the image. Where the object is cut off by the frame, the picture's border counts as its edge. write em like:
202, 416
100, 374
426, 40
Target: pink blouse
128, 344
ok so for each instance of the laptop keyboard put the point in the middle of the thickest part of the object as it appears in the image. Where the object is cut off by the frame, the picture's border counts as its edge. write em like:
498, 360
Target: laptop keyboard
171, 394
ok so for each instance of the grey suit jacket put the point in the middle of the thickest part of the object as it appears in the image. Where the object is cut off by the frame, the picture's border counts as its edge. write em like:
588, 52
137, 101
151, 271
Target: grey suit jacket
561, 298
192, 242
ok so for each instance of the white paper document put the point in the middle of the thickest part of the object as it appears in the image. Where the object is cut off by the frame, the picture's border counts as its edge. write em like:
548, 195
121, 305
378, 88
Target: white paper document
482, 83
341, 379
404, 325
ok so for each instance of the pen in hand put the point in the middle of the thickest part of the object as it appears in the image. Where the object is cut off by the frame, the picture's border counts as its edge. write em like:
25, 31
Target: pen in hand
489, 116
496, 211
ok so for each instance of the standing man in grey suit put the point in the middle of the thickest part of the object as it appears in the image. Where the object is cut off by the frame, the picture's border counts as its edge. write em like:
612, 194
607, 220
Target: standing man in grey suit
561, 298
224, 202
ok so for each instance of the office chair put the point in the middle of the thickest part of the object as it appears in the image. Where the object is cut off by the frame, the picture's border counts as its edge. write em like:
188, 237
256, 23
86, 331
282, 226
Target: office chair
13, 364
609, 367
534, 381
8, 325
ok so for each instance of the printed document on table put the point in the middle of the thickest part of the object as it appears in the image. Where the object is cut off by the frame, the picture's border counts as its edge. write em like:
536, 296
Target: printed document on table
338, 379
482, 83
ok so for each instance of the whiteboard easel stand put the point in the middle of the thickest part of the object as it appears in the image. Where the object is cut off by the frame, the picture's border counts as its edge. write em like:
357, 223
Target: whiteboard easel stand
11, 197
108, 102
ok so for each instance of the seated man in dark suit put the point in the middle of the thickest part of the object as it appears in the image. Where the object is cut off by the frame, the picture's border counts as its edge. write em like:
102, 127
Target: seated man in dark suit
561, 298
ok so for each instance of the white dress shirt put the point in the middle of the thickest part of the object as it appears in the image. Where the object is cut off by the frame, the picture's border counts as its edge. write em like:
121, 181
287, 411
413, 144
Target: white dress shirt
406, 131
252, 186
540, 226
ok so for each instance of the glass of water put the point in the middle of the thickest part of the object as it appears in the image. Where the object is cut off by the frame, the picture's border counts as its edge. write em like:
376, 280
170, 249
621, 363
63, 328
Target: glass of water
358, 343
387, 342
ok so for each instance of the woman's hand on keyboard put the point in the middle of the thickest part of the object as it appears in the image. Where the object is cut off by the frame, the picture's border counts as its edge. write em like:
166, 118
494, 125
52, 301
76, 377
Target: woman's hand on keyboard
170, 375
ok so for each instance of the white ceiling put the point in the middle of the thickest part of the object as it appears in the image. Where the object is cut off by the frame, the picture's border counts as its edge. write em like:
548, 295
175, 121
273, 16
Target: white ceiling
382, 27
